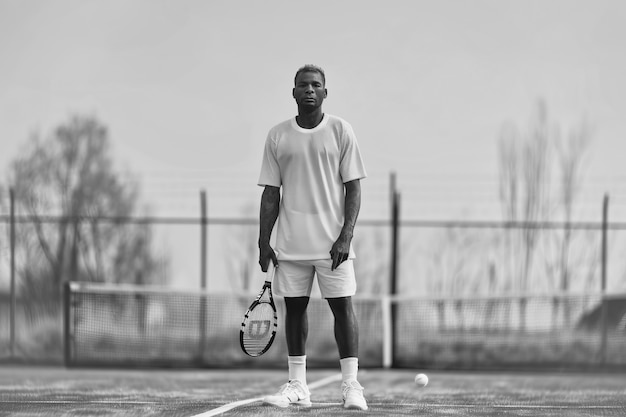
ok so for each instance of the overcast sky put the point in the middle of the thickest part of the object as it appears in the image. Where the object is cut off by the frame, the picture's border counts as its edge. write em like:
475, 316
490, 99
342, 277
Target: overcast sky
189, 89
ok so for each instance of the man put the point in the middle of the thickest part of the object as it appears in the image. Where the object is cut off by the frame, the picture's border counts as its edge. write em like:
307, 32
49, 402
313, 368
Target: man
316, 160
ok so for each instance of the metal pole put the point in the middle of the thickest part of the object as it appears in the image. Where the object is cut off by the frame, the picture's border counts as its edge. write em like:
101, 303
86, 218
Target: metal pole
605, 216
394, 233
604, 306
203, 240
67, 329
393, 284
392, 187
203, 274
13, 287
393, 290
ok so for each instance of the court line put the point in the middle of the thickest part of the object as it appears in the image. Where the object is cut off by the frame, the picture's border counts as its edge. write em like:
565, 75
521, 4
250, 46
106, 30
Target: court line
227, 407
70, 402
522, 406
495, 406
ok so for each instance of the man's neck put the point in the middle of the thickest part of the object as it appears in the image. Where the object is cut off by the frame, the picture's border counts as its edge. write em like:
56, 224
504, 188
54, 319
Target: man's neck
309, 120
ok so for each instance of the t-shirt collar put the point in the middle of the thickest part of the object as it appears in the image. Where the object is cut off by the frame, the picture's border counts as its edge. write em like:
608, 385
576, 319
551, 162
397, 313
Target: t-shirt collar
321, 125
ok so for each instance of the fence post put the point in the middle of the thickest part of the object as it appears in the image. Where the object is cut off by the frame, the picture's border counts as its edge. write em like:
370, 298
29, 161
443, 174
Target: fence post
604, 306
394, 236
13, 286
393, 284
203, 274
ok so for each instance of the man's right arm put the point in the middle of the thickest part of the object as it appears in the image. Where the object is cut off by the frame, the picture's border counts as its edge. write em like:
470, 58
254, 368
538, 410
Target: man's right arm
270, 203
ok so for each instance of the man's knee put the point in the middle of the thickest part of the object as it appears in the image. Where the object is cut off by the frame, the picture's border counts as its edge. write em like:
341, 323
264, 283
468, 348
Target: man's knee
296, 305
341, 306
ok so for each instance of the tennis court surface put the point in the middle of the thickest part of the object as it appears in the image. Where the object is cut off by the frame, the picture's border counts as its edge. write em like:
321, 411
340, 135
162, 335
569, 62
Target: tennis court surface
57, 391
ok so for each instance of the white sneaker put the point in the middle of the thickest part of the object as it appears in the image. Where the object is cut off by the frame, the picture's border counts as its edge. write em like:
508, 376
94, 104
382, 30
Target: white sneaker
353, 396
293, 392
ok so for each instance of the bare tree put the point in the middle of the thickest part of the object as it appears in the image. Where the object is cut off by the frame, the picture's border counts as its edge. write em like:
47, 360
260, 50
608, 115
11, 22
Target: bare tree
4, 240
454, 264
71, 174
525, 165
570, 153
509, 194
526, 168
525, 160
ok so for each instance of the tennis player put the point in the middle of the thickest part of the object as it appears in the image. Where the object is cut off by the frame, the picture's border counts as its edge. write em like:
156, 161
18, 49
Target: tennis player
315, 159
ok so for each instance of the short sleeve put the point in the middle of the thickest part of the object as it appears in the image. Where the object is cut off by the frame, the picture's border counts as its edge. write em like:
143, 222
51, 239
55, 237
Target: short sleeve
270, 170
351, 167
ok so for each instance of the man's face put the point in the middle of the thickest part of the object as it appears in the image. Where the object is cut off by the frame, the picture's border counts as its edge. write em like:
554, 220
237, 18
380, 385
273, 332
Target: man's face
309, 91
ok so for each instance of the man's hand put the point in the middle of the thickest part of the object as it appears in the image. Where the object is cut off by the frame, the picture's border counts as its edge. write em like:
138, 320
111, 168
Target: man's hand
340, 250
270, 201
267, 255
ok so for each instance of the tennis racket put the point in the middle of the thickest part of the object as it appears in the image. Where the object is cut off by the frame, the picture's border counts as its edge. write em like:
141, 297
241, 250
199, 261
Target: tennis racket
259, 325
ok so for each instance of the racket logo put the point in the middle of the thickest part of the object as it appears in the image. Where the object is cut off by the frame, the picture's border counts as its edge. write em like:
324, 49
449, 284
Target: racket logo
258, 329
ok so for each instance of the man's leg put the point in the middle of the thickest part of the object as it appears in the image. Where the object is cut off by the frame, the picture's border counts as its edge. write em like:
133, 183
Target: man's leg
295, 391
296, 325
347, 337
296, 331
346, 327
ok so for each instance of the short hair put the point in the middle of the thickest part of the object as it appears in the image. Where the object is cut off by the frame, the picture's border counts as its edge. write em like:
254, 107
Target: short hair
310, 68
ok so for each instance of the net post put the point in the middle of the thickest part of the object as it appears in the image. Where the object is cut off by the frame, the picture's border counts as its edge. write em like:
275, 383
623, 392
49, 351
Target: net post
203, 275
387, 323
604, 306
13, 286
67, 331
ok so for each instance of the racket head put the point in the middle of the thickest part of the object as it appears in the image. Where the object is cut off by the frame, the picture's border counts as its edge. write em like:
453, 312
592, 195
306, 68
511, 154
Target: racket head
260, 323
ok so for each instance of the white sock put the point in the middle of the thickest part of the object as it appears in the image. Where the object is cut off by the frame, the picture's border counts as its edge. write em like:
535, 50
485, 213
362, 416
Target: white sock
349, 369
297, 368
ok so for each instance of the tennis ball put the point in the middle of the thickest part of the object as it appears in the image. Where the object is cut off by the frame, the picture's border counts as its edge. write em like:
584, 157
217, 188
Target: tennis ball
421, 380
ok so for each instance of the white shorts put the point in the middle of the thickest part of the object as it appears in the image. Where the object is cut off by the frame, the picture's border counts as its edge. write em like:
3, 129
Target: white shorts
295, 278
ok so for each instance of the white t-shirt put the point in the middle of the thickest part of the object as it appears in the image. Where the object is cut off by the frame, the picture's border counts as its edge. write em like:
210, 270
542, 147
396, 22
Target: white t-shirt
312, 166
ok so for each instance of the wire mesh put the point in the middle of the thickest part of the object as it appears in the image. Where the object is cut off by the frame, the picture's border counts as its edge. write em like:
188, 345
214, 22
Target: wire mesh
139, 326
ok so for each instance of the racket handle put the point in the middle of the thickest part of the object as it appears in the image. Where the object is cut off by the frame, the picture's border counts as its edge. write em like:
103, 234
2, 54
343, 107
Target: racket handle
271, 271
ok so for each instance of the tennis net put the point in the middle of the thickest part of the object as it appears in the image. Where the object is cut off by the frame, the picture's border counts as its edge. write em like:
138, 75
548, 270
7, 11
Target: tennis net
128, 325
154, 326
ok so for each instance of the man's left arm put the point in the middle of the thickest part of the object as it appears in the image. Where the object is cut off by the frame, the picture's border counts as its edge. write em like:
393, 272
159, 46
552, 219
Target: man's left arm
341, 248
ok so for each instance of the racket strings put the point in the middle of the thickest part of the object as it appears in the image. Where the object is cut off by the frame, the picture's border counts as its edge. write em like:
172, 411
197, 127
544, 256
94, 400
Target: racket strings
259, 329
